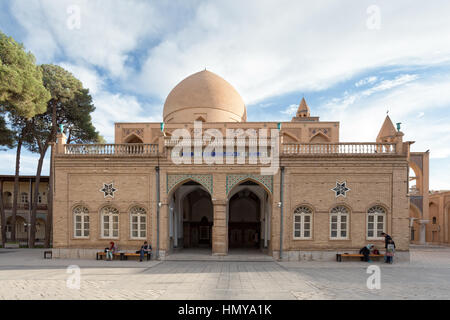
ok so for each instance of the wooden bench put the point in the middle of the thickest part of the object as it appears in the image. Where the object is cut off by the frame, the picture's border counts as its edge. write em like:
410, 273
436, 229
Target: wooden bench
102, 254
126, 255
123, 255
358, 255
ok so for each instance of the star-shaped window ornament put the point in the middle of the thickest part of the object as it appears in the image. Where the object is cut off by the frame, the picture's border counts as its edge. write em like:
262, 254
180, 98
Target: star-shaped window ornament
341, 189
108, 190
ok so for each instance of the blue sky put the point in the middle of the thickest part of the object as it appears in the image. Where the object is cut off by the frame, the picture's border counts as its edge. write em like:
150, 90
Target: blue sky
352, 60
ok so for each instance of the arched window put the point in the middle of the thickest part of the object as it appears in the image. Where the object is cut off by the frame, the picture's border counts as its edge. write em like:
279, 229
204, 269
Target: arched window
24, 197
376, 218
110, 222
81, 222
434, 220
302, 222
138, 223
339, 222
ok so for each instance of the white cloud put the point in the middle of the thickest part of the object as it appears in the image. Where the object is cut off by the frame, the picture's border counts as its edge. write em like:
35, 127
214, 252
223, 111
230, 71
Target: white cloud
305, 46
291, 110
109, 30
90, 78
111, 108
349, 99
264, 48
362, 120
389, 84
365, 81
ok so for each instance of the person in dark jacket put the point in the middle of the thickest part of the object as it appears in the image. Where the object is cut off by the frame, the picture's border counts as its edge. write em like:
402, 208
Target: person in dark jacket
387, 238
390, 252
366, 252
145, 248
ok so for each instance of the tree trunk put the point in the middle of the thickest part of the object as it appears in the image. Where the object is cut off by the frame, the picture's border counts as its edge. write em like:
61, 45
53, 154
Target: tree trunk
49, 222
2, 215
35, 200
16, 191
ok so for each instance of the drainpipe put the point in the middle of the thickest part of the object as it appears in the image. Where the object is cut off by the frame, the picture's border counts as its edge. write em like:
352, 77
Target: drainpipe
157, 210
281, 211
29, 212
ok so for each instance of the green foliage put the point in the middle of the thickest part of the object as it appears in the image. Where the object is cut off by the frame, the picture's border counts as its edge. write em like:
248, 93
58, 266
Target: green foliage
70, 105
61, 84
77, 119
21, 86
6, 135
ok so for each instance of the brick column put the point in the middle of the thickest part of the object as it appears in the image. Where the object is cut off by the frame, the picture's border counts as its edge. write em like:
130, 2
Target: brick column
220, 228
61, 142
164, 243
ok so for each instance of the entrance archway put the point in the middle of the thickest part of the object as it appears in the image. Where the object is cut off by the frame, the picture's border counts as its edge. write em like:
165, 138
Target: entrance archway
190, 217
248, 217
415, 216
21, 228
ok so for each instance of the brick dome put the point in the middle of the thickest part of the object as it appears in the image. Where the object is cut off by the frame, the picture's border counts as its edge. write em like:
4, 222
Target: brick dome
204, 96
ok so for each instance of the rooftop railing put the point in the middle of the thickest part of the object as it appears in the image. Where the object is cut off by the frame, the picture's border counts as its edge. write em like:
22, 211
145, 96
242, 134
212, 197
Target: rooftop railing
338, 148
135, 149
126, 149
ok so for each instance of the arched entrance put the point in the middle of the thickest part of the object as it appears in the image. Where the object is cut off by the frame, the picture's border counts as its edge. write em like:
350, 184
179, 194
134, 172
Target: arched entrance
190, 217
248, 217
414, 216
40, 230
21, 228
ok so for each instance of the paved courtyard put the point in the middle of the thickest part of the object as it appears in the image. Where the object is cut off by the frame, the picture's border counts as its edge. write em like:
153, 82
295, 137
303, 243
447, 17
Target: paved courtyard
25, 275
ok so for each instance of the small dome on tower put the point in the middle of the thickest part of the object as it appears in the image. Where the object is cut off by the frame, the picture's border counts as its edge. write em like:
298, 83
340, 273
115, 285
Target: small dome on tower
303, 109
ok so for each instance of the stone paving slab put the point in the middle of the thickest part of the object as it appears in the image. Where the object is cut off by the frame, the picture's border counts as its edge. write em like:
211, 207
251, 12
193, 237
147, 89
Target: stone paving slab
25, 275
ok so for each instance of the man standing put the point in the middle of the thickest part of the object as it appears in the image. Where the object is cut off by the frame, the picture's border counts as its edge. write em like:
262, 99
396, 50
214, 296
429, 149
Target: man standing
386, 239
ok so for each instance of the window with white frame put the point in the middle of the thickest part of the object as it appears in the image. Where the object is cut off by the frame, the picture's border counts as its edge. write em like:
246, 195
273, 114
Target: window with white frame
302, 222
24, 197
138, 223
110, 222
376, 222
81, 222
339, 222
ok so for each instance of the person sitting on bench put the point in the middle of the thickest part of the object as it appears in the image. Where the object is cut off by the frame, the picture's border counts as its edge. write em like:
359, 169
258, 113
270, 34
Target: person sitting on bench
145, 248
375, 250
110, 251
366, 252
